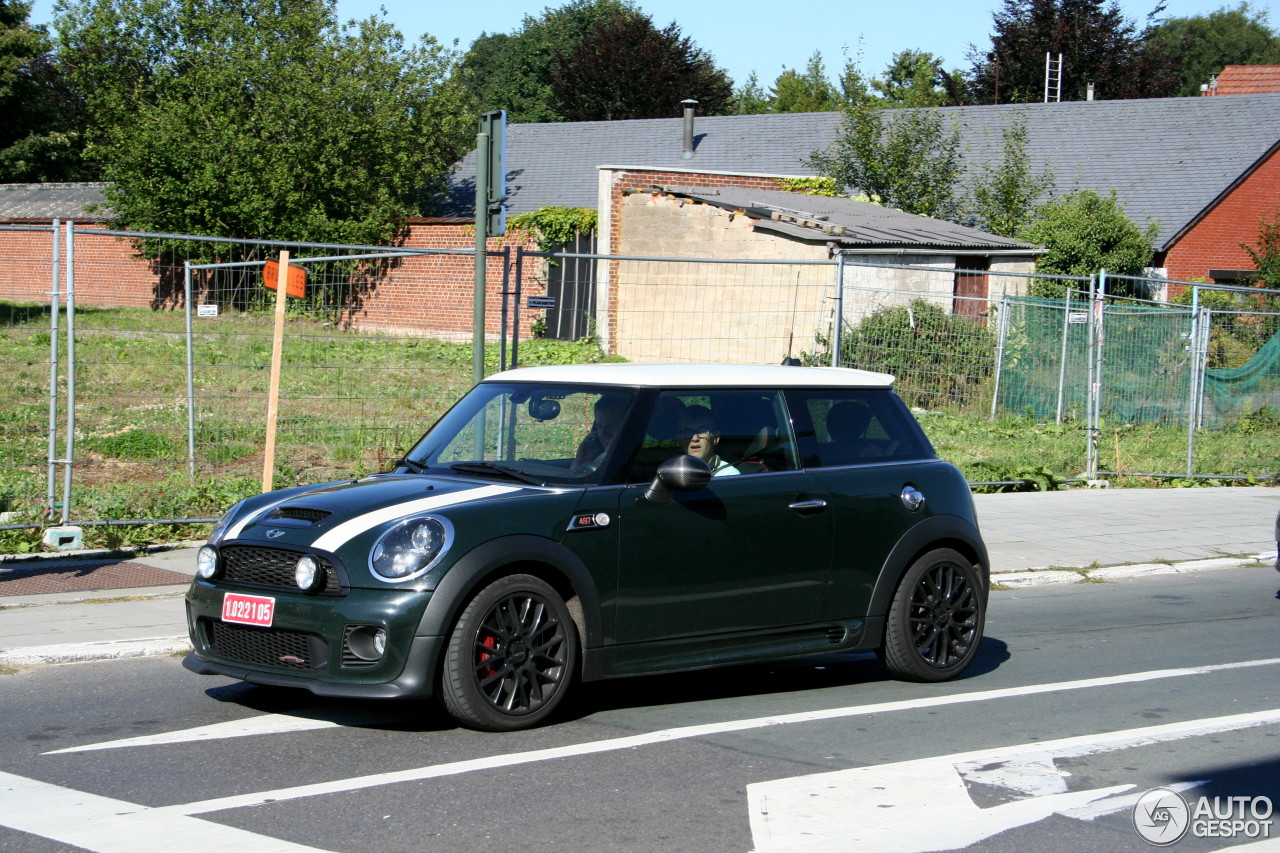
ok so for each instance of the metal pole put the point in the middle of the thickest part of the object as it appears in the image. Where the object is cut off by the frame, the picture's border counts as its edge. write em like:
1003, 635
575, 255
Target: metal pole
1000, 341
51, 495
1193, 347
191, 380
506, 281
482, 242
1062, 363
71, 373
1091, 427
837, 332
515, 314
1099, 350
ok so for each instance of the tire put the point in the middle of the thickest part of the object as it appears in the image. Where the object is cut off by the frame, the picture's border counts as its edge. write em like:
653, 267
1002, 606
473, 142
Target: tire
511, 656
935, 622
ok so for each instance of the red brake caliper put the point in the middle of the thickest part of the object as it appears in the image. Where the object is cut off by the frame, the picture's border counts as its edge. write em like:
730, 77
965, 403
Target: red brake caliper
489, 642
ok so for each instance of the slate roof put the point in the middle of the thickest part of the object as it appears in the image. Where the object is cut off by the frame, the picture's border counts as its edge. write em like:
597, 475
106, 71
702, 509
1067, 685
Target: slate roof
1167, 159
851, 224
45, 202
1247, 80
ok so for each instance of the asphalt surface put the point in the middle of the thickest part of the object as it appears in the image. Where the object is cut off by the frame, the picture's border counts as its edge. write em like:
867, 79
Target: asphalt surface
93, 605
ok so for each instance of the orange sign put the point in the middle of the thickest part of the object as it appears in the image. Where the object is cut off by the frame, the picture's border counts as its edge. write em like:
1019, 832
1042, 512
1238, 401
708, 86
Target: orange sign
295, 284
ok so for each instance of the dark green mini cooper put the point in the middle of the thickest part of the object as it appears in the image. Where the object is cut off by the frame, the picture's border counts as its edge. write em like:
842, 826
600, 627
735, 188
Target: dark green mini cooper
590, 522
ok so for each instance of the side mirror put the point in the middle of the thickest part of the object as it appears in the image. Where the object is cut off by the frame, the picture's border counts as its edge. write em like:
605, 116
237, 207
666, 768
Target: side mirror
681, 474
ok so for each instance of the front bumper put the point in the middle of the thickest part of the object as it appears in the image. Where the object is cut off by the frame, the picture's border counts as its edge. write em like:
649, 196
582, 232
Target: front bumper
309, 642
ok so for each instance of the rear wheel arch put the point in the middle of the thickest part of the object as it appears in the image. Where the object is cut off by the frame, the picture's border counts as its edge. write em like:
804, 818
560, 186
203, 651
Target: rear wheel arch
939, 531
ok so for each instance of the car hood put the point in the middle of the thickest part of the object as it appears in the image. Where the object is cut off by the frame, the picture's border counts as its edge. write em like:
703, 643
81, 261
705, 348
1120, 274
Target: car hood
326, 517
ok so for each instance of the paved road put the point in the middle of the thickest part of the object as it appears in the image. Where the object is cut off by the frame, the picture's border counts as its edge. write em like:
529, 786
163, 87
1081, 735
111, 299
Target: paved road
1084, 698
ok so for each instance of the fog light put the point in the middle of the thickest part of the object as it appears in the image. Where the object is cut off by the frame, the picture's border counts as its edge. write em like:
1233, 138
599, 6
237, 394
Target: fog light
307, 573
207, 562
367, 642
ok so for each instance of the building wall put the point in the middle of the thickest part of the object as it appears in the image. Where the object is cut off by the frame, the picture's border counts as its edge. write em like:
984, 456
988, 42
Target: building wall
740, 313
1215, 242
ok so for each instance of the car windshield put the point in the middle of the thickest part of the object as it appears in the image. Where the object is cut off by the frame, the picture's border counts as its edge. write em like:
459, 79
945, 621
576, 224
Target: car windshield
531, 433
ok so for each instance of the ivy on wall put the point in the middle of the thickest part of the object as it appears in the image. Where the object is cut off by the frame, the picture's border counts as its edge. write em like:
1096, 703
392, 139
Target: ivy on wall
552, 227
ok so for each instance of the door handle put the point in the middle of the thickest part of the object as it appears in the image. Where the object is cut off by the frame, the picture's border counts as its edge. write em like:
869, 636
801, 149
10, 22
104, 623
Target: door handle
809, 506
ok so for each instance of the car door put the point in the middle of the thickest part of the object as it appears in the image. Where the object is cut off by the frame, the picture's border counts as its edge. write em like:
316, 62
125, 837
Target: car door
748, 553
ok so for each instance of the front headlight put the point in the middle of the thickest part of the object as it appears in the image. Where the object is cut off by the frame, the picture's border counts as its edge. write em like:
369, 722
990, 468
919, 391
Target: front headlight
410, 548
207, 564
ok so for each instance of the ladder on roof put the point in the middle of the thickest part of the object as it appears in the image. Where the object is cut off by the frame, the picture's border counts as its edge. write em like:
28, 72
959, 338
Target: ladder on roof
1052, 78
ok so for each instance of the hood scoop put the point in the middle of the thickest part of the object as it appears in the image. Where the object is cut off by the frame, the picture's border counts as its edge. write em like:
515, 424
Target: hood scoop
296, 516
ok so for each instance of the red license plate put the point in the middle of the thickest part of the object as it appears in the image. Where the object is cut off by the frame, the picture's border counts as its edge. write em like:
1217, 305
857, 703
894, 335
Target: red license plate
248, 609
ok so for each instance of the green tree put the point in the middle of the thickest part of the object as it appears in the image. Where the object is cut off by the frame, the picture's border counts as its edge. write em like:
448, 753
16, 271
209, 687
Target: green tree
1083, 233
909, 160
252, 118
40, 138
1205, 44
1098, 45
626, 68
512, 72
916, 78
810, 92
750, 98
1004, 192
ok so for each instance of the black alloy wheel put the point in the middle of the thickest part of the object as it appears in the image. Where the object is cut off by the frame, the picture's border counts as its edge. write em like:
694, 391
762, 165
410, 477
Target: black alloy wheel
510, 658
936, 618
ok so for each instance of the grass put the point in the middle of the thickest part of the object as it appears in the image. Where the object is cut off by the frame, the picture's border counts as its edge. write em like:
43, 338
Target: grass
353, 402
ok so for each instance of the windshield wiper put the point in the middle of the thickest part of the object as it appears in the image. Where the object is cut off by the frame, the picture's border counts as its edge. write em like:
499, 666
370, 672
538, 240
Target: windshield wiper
413, 465
494, 468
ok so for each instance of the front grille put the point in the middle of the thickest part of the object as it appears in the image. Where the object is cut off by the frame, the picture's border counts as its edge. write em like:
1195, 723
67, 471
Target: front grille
266, 646
270, 568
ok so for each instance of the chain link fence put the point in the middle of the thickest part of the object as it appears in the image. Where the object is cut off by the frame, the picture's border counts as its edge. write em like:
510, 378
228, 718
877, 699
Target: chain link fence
148, 392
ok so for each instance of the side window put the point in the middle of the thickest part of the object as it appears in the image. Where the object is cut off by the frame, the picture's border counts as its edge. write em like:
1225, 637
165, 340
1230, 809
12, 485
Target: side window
855, 426
735, 432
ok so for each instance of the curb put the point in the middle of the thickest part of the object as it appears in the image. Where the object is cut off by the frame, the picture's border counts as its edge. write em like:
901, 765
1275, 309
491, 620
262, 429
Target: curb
1046, 577
107, 650
99, 553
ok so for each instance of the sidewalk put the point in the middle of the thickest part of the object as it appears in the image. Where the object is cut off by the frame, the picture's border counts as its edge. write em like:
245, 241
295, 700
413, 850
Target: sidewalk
59, 608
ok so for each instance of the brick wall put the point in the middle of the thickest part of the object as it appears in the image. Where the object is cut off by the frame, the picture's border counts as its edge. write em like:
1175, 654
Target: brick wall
427, 295
1215, 241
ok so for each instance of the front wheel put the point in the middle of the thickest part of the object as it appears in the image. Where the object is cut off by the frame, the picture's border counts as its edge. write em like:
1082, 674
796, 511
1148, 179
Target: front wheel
510, 657
936, 618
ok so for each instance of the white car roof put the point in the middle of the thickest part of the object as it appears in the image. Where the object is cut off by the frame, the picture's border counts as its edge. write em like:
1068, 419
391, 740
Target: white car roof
698, 376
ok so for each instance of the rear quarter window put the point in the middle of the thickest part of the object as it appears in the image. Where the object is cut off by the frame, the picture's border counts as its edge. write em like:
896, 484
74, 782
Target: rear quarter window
854, 426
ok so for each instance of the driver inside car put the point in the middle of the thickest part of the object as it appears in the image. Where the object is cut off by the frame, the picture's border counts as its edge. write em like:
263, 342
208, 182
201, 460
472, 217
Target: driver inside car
699, 437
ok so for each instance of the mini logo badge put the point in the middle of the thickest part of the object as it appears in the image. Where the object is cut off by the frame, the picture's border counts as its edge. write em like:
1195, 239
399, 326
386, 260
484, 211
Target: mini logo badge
275, 533
1161, 817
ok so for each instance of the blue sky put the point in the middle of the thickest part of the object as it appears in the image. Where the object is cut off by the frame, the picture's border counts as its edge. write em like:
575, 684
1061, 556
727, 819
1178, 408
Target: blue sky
764, 36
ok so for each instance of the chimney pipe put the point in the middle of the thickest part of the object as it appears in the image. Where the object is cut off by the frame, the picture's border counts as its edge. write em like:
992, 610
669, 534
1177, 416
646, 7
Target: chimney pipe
689, 104
1089, 95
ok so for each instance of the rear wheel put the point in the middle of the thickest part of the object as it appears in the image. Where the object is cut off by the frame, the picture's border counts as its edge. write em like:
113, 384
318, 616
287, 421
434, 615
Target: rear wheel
510, 657
936, 618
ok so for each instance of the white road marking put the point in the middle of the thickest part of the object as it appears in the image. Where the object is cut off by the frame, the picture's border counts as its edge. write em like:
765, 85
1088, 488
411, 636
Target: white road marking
880, 807
268, 724
104, 825
101, 824
682, 733
283, 724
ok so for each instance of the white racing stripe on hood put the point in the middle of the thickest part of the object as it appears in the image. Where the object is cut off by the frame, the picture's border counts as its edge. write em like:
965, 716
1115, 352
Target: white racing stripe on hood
348, 530
236, 529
